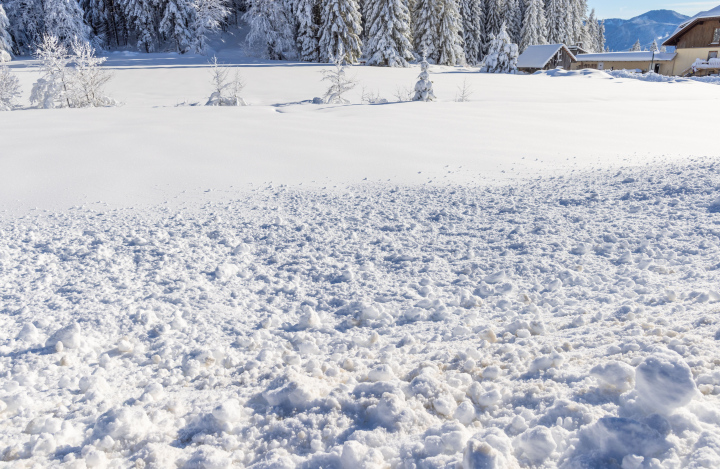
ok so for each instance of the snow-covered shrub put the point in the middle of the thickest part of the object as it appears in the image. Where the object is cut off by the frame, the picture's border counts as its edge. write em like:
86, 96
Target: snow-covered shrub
88, 78
63, 86
9, 88
502, 56
53, 88
340, 83
424, 88
226, 92
370, 97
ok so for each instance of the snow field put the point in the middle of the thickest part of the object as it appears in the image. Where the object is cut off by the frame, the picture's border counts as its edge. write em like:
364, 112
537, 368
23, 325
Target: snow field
151, 152
555, 322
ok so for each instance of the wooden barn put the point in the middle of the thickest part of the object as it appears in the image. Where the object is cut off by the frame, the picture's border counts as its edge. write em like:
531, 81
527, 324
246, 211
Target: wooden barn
697, 43
545, 57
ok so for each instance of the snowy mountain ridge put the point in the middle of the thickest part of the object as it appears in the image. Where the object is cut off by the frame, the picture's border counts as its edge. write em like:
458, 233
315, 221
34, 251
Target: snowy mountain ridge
656, 24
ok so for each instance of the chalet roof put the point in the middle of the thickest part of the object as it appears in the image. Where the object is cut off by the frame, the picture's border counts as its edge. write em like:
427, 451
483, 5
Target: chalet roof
539, 56
644, 56
673, 39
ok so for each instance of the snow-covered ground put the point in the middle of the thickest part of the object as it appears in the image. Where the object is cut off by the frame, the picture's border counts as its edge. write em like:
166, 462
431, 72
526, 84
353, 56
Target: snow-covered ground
528, 279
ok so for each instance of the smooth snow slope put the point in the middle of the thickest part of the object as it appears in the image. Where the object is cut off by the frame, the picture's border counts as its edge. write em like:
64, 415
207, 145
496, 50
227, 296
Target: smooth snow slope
150, 151
567, 322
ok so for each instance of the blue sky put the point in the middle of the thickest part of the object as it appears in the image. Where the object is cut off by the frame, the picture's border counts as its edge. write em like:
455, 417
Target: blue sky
629, 8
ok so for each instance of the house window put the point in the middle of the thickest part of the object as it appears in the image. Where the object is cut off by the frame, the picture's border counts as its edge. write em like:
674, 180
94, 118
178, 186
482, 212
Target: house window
716, 36
712, 55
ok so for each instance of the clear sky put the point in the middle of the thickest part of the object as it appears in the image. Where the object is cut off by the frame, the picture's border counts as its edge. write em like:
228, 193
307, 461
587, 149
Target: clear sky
627, 9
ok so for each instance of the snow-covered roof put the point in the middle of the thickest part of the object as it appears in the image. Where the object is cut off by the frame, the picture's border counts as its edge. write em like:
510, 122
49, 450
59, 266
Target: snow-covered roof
539, 56
644, 56
704, 15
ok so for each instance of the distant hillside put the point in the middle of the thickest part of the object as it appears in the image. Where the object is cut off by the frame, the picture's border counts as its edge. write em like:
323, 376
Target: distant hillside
620, 34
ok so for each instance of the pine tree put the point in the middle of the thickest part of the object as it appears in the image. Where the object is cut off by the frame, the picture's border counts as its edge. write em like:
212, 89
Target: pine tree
513, 19
178, 18
636, 47
340, 31
271, 30
308, 41
64, 20
140, 16
534, 30
654, 46
600, 44
473, 29
450, 42
26, 24
591, 33
423, 87
388, 32
6, 44
426, 21
493, 16
210, 15
502, 55
577, 19
557, 21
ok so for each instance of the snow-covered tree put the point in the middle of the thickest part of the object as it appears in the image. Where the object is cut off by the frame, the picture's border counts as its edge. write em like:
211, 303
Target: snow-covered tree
424, 87
450, 42
426, 24
177, 22
600, 44
556, 12
87, 78
9, 88
271, 29
6, 44
636, 47
340, 31
26, 23
140, 15
654, 46
209, 16
226, 91
388, 33
514, 19
534, 30
64, 20
473, 29
503, 54
340, 82
53, 88
493, 16
308, 40
577, 17
590, 35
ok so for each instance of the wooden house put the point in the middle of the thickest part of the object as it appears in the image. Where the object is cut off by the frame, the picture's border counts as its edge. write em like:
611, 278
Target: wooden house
658, 62
697, 43
545, 57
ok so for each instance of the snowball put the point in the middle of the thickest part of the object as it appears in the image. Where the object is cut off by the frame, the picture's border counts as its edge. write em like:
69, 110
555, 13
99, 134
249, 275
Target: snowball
126, 423
445, 405
309, 319
490, 449
28, 333
228, 412
664, 382
70, 336
536, 444
615, 376
381, 373
124, 346
225, 272
465, 413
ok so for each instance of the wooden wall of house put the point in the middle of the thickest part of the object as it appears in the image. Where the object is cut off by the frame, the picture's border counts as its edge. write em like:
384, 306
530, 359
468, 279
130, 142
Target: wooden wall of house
700, 35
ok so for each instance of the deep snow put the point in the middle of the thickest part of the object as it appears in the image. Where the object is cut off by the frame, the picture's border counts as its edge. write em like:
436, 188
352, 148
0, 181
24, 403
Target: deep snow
528, 279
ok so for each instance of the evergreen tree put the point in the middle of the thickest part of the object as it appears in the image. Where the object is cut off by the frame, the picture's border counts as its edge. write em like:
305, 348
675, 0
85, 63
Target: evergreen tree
450, 35
557, 24
64, 20
600, 40
6, 44
493, 16
388, 32
210, 15
502, 55
423, 87
27, 23
271, 30
577, 19
473, 29
636, 47
178, 18
654, 46
140, 16
534, 30
513, 19
591, 33
308, 42
426, 20
340, 31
